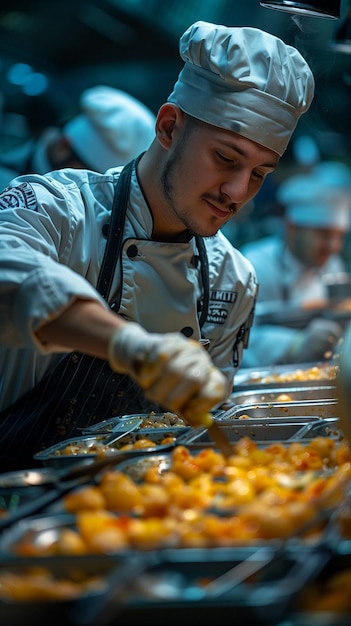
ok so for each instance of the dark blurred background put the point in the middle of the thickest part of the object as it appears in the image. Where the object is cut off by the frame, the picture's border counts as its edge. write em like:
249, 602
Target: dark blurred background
50, 51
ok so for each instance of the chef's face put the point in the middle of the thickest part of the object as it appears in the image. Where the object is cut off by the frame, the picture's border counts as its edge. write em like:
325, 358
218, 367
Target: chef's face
61, 154
209, 173
314, 246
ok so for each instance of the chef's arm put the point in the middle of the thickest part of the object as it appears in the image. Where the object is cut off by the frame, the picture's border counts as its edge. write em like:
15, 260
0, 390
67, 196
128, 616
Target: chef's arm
316, 341
85, 326
173, 371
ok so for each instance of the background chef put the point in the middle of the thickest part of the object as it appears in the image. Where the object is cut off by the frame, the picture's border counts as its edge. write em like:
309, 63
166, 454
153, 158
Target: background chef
295, 266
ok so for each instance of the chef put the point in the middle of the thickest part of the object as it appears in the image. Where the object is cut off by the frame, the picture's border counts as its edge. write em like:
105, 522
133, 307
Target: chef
109, 282
111, 128
295, 266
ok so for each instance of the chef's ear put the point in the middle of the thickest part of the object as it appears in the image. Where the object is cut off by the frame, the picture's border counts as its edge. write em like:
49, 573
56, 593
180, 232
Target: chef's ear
169, 119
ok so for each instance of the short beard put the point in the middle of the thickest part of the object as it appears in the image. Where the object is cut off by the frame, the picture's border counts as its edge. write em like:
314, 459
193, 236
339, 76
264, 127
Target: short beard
167, 174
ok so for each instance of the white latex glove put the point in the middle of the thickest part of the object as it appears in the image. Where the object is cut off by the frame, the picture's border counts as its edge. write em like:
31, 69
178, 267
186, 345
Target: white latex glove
315, 342
174, 372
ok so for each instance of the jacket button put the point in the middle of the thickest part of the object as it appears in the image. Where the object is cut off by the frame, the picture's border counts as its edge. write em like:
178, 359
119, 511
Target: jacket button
187, 331
132, 251
105, 230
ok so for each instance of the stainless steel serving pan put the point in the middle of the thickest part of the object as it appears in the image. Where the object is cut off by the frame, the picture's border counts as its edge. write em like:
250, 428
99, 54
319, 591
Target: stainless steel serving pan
91, 447
203, 587
260, 430
319, 409
148, 421
112, 575
272, 394
22, 486
251, 378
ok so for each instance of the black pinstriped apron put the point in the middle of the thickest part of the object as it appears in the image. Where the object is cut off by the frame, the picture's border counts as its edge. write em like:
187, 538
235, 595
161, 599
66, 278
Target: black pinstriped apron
81, 390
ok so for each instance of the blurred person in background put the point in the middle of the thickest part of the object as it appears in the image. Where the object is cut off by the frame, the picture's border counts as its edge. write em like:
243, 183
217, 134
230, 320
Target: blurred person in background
109, 281
295, 266
112, 128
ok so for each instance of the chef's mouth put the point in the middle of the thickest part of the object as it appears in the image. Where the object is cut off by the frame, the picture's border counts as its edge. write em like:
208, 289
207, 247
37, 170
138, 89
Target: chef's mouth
221, 211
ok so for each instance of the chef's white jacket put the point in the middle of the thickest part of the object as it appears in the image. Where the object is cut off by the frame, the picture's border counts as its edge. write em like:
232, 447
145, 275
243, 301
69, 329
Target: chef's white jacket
282, 278
51, 249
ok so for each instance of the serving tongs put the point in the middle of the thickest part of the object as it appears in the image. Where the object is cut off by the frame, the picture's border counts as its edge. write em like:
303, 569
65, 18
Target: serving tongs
70, 478
123, 425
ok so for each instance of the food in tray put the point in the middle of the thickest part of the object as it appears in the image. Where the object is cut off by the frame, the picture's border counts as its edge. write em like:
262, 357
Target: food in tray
166, 420
317, 372
202, 499
284, 397
39, 583
343, 520
98, 447
332, 594
149, 420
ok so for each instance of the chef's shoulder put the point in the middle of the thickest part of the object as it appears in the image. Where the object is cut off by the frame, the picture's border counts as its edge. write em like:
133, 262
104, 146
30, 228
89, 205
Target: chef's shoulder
73, 187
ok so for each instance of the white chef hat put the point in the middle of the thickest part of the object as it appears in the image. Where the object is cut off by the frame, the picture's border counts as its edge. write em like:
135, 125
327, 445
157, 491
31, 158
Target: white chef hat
245, 80
112, 129
320, 198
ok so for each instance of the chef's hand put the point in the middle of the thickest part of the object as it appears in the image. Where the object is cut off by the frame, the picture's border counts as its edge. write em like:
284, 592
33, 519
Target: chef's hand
173, 371
315, 342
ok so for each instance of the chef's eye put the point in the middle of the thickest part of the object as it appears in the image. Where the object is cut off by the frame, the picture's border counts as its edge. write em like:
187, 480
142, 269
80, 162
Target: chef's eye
224, 158
258, 175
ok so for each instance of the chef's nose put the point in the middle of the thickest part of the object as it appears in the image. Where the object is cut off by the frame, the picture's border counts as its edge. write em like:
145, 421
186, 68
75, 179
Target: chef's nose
334, 242
236, 187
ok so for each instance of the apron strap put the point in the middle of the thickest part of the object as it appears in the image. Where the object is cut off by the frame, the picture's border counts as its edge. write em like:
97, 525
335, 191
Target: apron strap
115, 233
205, 279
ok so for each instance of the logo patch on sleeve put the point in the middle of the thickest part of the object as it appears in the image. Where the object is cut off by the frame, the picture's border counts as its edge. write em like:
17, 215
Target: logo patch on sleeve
22, 195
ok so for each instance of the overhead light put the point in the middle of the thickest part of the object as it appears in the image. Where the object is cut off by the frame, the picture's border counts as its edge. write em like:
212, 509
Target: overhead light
314, 8
342, 38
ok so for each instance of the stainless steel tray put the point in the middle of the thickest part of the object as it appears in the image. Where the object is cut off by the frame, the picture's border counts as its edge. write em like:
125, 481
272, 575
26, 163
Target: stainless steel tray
42, 531
314, 604
110, 575
44, 536
88, 447
250, 378
272, 394
161, 421
265, 429
310, 618
320, 409
19, 487
194, 588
